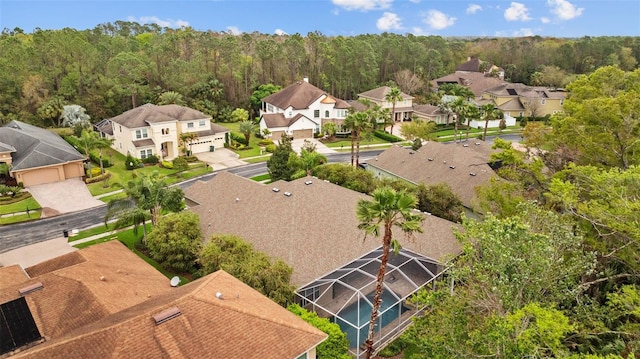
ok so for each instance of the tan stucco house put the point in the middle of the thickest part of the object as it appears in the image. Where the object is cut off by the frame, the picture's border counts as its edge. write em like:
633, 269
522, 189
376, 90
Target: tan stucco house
103, 301
299, 110
403, 107
155, 130
517, 99
37, 156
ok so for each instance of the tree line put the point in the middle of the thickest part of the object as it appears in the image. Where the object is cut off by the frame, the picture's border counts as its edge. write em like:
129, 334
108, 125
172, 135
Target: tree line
116, 66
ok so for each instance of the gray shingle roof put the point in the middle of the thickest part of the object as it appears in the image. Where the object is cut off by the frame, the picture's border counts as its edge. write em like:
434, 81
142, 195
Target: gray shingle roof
36, 147
146, 114
380, 93
314, 230
4, 147
299, 96
427, 110
432, 165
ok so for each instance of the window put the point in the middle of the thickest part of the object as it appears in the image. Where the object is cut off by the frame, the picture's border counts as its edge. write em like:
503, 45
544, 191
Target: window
141, 133
316, 113
202, 123
120, 128
189, 124
303, 356
326, 114
146, 153
269, 108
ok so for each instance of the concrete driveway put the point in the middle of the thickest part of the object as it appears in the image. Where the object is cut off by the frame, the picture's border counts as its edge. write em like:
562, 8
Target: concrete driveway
220, 159
63, 197
320, 147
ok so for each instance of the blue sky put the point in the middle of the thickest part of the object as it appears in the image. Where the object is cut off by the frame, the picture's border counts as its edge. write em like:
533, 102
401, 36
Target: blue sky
556, 18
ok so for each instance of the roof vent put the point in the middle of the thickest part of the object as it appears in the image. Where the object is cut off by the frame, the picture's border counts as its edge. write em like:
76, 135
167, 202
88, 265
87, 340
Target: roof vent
219, 295
288, 194
166, 315
452, 167
465, 145
410, 152
430, 159
477, 143
276, 189
31, 288
472, 174
308, 182
237, 199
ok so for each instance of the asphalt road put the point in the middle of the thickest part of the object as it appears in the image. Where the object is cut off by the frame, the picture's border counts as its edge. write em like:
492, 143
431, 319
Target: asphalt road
22, 234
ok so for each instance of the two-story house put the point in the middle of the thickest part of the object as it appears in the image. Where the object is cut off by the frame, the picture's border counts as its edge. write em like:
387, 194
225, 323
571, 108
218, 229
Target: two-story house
156, 130
403, 108
517, 99
299, 110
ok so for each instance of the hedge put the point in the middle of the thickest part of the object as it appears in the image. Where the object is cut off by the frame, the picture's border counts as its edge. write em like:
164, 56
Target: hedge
96, 159
336, 346
238, 138
387, 136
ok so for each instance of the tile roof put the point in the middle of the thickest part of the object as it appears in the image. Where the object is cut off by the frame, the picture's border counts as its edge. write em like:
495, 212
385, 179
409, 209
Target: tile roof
301, 95
104, 308
380, 93
146, 114
319, 217
416, 167
477, 82
36, 147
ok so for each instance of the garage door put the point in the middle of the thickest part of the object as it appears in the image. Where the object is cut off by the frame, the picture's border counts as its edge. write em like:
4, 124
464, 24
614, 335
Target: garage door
40, 176
276, 135
303, 134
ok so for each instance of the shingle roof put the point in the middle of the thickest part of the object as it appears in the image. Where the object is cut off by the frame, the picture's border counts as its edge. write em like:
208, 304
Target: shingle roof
36, 147
416, 166
146, 114
512, 105
12, 275
472, 65
477, 82
427, 110
6, 147
319, 217
273, 120
299, 96
103, 307
380, 93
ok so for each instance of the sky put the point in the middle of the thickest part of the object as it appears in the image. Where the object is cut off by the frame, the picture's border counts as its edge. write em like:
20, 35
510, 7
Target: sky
447, 18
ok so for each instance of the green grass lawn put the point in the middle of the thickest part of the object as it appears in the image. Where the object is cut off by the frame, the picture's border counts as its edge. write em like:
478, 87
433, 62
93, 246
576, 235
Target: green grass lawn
253, 141
21, 217
345, 143
260, 178
20, 206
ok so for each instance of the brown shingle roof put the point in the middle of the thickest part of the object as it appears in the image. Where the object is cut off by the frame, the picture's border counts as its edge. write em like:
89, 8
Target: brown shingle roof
146, 114
380, 93
429, 110
11, 276
103, 307
477, 82
300, 95
244, 324
319, 217
54, 264
416, 167
143, 143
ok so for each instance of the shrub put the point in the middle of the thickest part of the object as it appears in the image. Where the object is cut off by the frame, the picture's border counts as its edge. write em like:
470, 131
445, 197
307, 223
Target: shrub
336, 345
386, 136
265, 142
96, 159
153, 159
270, 148
131, 162
417, 143
95, 171
167, 164
191, 159
180, 164
238, 138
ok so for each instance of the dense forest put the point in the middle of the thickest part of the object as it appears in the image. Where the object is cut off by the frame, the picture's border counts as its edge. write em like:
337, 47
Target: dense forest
114, 67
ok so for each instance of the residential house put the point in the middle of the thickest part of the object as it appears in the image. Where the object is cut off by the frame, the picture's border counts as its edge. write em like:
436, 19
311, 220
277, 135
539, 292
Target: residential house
430, 113
155, 130
477, 82
37, 156
299, 110
463, 166
475, 65
403, 107
105, 302
517, 100
311, 224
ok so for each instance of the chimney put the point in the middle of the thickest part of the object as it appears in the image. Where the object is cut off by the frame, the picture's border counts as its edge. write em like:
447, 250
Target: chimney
305, 79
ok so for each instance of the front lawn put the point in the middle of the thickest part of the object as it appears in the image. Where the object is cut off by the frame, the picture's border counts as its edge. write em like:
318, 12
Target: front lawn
28, 203
345, 143
253, 141
21, 217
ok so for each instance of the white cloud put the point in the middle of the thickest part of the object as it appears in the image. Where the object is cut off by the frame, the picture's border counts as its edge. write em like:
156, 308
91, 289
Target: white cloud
564, 9
155, 20
389, 21
363, 5
418, 31
516, 33
545, 20
280, 32
233, 30
517, 12
473, 8
438, 20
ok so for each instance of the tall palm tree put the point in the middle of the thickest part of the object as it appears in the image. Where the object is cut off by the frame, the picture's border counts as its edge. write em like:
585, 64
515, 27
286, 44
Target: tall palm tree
457, 106
87, 141
489, 112
394, 95
101, 144
357, 122
470, 112
388, 209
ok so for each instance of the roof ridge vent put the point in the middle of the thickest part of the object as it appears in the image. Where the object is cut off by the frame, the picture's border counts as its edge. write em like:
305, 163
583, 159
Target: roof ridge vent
166, 315
308, 182
287, 194
31, 288
276, 189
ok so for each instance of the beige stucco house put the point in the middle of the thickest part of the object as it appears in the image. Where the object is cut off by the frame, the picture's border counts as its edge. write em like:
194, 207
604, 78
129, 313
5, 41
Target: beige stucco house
517, 99
403, 108
155, 130
37, 156
299, 110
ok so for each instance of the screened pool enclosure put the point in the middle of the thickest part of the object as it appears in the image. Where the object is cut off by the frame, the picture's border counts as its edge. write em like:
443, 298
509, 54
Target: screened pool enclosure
345, 295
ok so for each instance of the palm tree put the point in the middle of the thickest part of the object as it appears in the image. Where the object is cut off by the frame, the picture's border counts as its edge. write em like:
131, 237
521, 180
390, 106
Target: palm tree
470, 112
457, 106
394, 95
311, 159
101, 144
171, 97
246, 128
146, 195
388, 208
489, 112
356, 122
187, 138
87, 141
